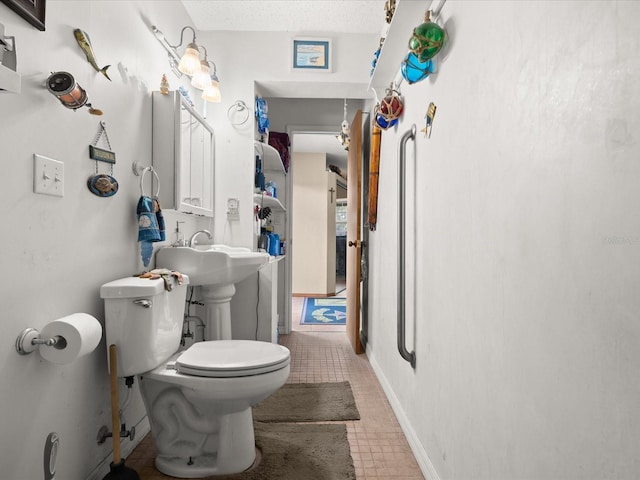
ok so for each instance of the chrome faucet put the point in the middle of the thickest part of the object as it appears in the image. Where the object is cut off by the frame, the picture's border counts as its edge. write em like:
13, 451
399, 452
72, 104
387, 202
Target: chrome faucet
206, 232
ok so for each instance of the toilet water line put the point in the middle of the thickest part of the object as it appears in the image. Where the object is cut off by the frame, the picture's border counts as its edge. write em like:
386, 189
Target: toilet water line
402, 160
188, 317
123, 406
257, 306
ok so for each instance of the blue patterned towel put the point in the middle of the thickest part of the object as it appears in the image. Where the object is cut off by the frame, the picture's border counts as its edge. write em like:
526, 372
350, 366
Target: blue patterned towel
150, 226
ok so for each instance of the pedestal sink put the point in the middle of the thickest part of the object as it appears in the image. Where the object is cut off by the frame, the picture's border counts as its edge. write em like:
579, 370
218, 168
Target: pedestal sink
215, 269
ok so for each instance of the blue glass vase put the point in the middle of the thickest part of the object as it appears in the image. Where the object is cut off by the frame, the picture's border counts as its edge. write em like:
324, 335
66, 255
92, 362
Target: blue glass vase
413, 70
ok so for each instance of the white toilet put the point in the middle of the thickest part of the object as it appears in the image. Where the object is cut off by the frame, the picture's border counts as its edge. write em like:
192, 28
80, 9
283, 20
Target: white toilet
198, 400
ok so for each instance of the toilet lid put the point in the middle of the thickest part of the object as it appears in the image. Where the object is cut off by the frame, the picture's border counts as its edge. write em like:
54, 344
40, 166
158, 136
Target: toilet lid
232, 358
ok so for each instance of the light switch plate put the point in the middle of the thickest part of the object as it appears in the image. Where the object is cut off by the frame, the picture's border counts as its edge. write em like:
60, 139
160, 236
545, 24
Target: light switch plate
48, 176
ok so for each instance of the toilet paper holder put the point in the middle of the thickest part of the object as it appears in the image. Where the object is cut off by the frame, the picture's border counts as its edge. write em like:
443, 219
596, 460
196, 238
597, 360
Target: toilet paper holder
29, 340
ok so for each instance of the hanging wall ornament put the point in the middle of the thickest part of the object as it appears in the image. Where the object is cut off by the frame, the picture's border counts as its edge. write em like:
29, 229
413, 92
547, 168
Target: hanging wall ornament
102, 184
343, 136
389, 109
429, 116
382, 122
391, 105
63, 86
428, 39
413, 70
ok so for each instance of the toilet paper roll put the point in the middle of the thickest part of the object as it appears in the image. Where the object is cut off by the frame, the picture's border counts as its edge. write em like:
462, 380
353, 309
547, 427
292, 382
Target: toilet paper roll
77, 335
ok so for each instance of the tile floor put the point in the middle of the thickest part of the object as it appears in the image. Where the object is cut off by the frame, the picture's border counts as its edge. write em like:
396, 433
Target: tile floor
322, 354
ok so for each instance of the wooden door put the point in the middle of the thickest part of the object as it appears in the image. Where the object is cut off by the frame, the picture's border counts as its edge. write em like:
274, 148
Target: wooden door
354, 220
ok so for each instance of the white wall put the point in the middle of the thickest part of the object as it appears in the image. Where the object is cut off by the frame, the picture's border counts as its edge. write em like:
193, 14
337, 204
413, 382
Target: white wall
526, 247
246, 62
313, 252
250, 63
56, 252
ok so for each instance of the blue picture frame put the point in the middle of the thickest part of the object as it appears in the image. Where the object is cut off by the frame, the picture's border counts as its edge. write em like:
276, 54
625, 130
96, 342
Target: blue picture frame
312, 54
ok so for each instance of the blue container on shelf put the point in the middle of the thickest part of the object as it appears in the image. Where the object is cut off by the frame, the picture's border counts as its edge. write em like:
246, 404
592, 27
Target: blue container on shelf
274, 244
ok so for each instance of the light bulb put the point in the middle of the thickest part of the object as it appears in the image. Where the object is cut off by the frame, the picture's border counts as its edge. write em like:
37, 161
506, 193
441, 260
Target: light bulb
202, 79
190, 61
212, 92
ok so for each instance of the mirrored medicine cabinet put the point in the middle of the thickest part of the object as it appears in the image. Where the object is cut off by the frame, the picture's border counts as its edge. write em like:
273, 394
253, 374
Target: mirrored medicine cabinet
183, 155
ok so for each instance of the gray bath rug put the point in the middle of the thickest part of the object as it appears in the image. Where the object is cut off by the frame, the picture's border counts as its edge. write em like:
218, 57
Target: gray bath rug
308, 402
297, 451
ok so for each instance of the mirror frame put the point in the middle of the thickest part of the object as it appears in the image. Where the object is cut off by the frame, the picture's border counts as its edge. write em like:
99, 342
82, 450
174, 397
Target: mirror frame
167, 156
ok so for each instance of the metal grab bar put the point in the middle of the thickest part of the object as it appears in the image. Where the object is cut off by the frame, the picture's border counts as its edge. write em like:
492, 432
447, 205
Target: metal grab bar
402, 158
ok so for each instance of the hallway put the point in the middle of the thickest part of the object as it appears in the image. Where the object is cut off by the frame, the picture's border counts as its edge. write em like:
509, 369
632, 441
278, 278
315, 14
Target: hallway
379, 448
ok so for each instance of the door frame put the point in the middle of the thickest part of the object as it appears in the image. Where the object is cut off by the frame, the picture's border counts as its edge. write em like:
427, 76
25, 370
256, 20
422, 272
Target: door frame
292, 130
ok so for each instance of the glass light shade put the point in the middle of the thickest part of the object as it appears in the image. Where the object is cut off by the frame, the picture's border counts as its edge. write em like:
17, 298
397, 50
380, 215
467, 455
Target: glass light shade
212, 92
202, 79
190, 61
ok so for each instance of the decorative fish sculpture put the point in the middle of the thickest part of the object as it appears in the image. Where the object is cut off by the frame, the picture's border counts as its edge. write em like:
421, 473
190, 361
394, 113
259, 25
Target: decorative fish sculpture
85, 44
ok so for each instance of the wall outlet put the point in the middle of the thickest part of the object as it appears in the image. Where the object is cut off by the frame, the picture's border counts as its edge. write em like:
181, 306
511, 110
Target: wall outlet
48, 176
233, 209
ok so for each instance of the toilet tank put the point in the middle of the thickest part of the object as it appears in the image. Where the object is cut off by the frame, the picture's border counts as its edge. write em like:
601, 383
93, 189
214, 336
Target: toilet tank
144, 321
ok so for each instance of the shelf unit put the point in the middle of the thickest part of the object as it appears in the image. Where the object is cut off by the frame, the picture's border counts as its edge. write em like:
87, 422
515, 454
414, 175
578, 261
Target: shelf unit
271, 162
408, 15
277, 281
268, 201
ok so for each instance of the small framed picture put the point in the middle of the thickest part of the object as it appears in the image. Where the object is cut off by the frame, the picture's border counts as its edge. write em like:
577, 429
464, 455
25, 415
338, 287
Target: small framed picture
312, 54
33, 11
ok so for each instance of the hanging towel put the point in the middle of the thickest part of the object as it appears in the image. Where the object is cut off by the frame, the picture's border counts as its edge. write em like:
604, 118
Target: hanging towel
150, 226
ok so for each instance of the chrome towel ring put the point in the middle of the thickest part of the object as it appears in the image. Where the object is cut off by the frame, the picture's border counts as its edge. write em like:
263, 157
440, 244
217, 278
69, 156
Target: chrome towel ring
239, 106
155, 174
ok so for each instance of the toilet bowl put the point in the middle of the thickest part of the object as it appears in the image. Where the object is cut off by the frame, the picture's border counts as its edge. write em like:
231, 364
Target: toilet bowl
198, 400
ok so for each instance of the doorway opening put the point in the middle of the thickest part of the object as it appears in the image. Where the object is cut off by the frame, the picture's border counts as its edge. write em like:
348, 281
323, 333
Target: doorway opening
318, 222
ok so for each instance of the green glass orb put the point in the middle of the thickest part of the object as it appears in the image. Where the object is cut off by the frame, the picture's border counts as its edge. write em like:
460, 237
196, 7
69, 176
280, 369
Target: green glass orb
427, 40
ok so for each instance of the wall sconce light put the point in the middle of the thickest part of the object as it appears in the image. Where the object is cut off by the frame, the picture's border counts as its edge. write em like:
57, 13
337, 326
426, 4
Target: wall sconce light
202, 78
190, 63
212, 91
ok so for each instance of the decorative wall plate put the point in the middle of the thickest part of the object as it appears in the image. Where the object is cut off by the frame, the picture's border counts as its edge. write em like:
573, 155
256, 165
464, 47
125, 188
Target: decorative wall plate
103, 185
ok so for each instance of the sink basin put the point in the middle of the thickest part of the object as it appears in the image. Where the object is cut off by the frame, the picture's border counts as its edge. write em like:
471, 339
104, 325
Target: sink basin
212, 265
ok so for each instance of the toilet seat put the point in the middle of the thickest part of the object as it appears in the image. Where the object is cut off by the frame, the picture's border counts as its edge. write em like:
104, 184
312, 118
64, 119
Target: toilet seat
232, 358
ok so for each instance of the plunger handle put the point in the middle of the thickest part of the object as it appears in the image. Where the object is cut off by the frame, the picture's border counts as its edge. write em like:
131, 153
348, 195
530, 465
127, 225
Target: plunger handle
115, 404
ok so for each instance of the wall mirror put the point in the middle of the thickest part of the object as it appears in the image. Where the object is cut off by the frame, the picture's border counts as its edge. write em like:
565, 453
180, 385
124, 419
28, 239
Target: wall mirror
183, 155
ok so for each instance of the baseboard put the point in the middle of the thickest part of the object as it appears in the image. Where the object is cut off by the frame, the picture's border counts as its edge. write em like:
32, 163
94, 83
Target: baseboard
427, 468
104, 467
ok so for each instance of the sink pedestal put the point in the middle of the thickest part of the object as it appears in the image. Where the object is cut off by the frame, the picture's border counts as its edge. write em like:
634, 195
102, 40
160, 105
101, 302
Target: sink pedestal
217, 304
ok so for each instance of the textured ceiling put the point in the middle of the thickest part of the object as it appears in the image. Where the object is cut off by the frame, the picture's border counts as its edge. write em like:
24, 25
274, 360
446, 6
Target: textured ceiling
339, 16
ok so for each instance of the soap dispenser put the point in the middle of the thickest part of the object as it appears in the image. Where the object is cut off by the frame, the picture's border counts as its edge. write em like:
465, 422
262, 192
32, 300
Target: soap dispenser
178, 238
